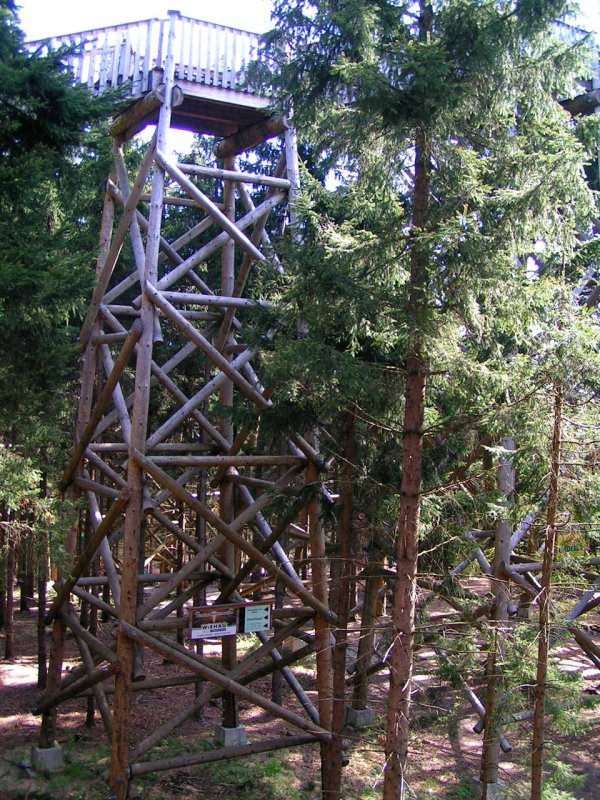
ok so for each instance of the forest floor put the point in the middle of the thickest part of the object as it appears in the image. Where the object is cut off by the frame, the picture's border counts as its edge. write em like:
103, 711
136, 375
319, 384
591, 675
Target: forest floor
445, 753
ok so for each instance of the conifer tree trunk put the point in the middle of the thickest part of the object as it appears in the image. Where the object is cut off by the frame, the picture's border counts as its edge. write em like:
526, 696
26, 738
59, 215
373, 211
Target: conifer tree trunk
537, 752
42, 581
3, 543
41, 612
9, 644
403, 617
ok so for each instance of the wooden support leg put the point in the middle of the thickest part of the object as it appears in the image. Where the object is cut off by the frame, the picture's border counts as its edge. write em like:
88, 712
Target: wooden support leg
226, 489
322, 630
48, 728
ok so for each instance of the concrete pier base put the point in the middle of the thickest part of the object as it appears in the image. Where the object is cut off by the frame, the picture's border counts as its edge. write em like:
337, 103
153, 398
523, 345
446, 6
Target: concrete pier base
47, 760
230, 737
359, 718
494, 791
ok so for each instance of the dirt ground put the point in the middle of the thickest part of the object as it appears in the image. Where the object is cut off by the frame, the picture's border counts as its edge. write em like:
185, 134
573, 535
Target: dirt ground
445, 751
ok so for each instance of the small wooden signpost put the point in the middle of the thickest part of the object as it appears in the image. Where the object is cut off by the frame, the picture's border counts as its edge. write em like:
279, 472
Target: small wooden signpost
208, 622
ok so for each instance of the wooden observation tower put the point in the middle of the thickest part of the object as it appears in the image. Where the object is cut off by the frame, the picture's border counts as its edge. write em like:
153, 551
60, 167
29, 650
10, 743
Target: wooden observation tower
179, 500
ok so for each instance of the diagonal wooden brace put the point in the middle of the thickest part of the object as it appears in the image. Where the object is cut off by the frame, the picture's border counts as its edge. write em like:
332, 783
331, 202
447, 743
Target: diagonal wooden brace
103, 401
233, 536
207, 204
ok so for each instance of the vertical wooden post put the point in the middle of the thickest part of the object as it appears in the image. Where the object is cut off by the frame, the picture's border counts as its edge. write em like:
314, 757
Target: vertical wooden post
88, 375
364, 653
318, 565
226, 488
119, 779
341, 592
48, 727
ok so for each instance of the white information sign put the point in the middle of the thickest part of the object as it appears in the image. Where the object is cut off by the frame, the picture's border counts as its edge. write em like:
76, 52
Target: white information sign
256, 618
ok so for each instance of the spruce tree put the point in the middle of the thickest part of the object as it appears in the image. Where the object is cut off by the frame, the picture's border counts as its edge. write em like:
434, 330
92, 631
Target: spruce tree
457, 104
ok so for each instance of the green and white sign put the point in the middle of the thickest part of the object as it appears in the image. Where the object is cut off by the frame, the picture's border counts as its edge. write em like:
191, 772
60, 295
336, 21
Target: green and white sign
255, 618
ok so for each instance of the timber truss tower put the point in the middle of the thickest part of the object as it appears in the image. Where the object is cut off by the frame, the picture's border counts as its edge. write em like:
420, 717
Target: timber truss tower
180, 502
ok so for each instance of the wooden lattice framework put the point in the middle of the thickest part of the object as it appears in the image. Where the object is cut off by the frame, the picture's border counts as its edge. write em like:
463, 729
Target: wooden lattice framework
143, 478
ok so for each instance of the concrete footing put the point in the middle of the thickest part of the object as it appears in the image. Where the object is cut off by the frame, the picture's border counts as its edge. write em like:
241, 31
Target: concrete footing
47, 760
493, 791
230, 737
359, 718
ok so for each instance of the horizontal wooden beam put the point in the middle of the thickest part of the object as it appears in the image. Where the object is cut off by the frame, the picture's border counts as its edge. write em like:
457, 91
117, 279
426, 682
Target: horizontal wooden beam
229, 461
583, 104
223, 681
251, 136
222, 753
138, 115
234, 175
189, 298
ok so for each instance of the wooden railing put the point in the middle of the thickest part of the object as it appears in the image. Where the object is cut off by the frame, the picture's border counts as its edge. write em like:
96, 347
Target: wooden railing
205, 53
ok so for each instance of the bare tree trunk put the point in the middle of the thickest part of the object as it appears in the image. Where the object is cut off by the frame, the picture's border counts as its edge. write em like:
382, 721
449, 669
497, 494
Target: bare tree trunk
90, 718
537, 752
25, 572
322, 627
179, 556
200, 595
227, 554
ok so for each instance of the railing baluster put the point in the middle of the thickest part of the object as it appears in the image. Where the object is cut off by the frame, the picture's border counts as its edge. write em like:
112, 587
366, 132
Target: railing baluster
222, 54
209, 38
117, 49
93, 51
147, 58
104, 65
79, 71
127, 59
190, 58
233, 70
210, 54
135, 78
199, 52
161, 39
182, 65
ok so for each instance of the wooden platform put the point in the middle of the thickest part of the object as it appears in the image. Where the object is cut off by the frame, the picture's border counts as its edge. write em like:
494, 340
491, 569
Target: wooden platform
210, 69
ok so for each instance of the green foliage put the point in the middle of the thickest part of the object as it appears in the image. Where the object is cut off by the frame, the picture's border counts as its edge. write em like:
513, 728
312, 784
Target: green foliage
51, 179
562, 781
